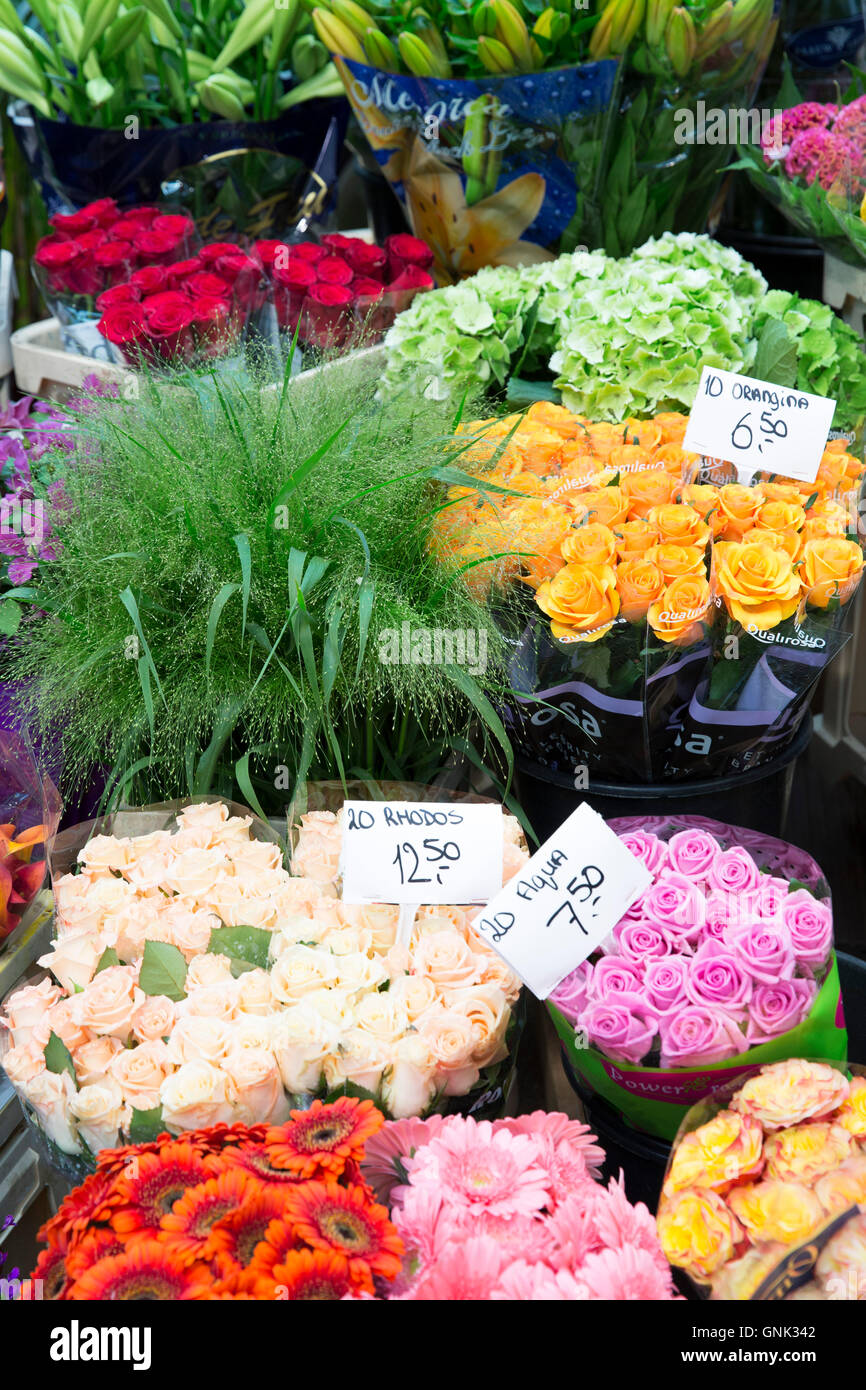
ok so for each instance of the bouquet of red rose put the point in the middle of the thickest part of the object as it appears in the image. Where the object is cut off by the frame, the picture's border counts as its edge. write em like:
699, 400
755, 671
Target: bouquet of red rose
342, 290
97, 249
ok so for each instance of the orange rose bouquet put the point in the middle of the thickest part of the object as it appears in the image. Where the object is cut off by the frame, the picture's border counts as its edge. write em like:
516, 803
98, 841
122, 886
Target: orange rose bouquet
766, 1186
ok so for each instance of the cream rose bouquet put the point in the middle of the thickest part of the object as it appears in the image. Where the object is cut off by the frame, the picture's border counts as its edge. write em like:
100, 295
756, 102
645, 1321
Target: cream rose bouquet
196, 981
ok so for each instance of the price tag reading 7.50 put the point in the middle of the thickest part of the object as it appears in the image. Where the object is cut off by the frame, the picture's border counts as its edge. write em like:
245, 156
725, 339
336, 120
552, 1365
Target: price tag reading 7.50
564, 902
421, 852
759, 427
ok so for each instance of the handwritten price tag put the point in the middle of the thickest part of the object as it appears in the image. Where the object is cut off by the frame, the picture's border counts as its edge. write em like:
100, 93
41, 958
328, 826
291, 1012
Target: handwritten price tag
564, 902
421, 852
759, 427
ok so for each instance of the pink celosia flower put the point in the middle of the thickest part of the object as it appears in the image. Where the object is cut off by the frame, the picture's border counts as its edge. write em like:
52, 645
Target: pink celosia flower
558, 1128
480, 1167
779, 132
842, 161
464, 1272
626, 1274
851, 122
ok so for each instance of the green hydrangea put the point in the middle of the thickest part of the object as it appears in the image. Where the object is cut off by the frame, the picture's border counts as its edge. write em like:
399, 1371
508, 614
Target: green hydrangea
818, 352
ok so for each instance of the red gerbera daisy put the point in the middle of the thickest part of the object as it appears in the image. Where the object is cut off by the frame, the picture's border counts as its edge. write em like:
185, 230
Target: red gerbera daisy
325, 1137
236, 1236
314, 1274
52, 1271
96, 1245
152, 1183
188, 1227
330, 1217
145, 1271
93, 1201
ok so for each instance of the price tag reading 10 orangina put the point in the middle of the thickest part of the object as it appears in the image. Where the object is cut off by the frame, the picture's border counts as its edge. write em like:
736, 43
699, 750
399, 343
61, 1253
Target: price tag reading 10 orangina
564, 902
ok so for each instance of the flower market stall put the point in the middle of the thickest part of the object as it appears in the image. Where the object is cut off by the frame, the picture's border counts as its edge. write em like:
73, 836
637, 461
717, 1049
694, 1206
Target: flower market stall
418, 878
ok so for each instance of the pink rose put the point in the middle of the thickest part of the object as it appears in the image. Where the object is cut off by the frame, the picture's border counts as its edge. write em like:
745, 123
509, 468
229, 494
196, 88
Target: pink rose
734, 871
640, 941
691, 852
27, 1007
776, 1009
572, 994
153, 1018
614, 978
772, 896
810, 923
726, 910
619, 1030
649, 849
92, 1059
698, 1035
717, 977
677, 904
765, 950
665, 982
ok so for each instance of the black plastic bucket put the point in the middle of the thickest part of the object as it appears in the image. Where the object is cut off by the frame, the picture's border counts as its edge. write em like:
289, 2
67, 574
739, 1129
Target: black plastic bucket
757, 799
642, 1157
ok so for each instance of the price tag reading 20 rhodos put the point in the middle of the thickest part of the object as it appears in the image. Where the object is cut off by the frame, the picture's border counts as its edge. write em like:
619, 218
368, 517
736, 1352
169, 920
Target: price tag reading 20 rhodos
759, 427
564, 902
421, 851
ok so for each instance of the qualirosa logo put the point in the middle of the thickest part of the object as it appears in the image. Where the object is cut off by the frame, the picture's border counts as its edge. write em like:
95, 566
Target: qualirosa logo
77, 1343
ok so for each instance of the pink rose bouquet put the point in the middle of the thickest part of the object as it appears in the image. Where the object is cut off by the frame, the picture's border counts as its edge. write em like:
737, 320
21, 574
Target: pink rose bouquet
766, 1186
726, 958
196, 981
511, 1210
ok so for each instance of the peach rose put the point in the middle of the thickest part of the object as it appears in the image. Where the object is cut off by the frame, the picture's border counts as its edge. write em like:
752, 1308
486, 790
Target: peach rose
254, 994
357, 973
494, 971
107, 1004
409, 1084
451, 1039
758, 584
88, 912
725, 1150
64, 1021
852, 1112
302, 895
209, 969
348, 941
212, 1001
195, 872
634, 538
487, 1010
255, 857
317, 853
189, 929
22, 1064
148, 873
92, 1059
27, 1007
383, 1015
301, 1040
845, 1187
244, 911
581, 601
196, 1096
639, 583
447, 959
772, 1210
607, 505
830, 569
105, 852
697, 1231
361, 1059
417, 994
254, 1074
803, 1153
252, 1030
140, 1072
739, 506
210, 815
336, 1007
128, 929
49, 1094
590, 544
679, 525
195, 1038
787, 1093
679, 615
235, 831
513, 860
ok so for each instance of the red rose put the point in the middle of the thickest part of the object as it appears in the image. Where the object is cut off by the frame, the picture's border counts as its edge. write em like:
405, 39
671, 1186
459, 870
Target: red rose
246, 277
267, 251
142, 215
88, 241
73, 222
213, 325
374, 307
123, 324
105, 210
364, 288
407, 284
404, 250
118, 294
54, 253
179, 271
308, 251
291, 283
367, 260
212, 252
169, 328
325, 318
156, 248
337, 242
165, 299
176, 224
333, 270
209, 284
112, 258
150, 279
124, 230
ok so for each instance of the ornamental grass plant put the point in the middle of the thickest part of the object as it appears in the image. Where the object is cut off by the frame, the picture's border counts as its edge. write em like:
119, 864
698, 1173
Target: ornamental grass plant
243, 597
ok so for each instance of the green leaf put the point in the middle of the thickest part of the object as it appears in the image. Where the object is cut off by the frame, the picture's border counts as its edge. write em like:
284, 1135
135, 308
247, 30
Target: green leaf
146, 1125
520, 392
216, 609
108, 958
163, 970
58, 1058
242, 543
10, 617
248, 945
776, 357
795, 884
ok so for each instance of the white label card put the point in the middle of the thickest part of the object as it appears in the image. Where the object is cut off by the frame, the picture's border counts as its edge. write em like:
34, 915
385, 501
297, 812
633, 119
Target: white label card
564, 902
421, 851
759, 427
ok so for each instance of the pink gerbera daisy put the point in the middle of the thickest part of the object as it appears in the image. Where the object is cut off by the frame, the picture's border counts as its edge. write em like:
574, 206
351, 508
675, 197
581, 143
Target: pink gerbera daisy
386, 1152
521, 1237
572, 1231
427, 1224
559, 1129
465, 1272
624, 1275
482, 1168
527, 1283
619, 1224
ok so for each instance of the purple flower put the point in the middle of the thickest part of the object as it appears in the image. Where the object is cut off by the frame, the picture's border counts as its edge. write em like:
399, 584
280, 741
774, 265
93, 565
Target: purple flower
21, 571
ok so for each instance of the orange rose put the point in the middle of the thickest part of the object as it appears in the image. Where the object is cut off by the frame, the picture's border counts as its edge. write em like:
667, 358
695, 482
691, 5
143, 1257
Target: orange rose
629, 458
782, 492
831, 569
581, 602
677, 617
576, 460
537, 531
789, 541
758, 584
831, 469
803, 1153
717, 1154
697, 1231
603, 437
677, 461
647, 490
705, 501
551, 416
634, 538
739, 506
780, 516
680, 525
647, 433
608, 505
590, 544
836, 517
787, 1093
771, 1210
639, 583
673, 425
845, 1187
852, 1112
676, 560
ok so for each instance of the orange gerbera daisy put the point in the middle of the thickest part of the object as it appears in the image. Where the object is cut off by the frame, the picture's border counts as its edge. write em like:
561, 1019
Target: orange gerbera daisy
53, 1272
145, 1271
314, 1275
96, 1245
93, 1201
279, 1240
235, 1236
330, 1217
188, 1227
324, 1137
152, 1183
256, 1159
